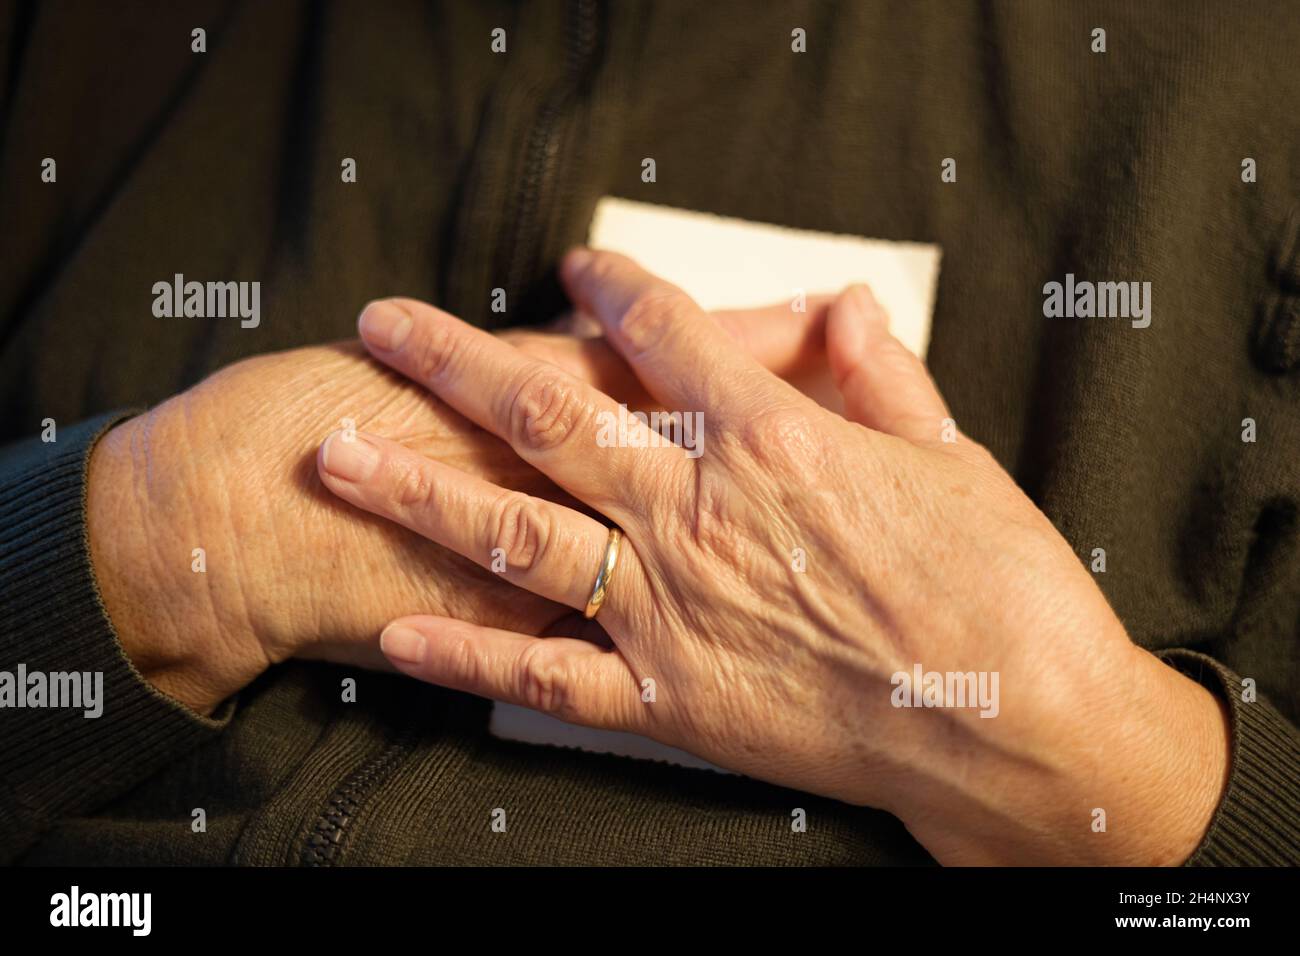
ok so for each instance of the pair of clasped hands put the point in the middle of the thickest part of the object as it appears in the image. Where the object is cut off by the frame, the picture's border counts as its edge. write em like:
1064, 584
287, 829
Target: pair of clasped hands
770, 588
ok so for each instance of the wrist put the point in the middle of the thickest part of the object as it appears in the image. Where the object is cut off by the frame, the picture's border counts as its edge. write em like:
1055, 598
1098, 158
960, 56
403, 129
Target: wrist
1183, 753
1125, 765
139, 521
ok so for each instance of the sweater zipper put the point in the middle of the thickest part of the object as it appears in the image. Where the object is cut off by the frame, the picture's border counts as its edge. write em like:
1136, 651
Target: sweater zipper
326, 840
542, 149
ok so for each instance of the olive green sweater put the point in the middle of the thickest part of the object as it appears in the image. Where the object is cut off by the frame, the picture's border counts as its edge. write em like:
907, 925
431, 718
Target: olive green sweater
475, 170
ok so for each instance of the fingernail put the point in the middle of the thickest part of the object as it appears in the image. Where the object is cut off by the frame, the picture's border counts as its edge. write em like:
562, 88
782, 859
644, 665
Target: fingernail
384, 325
402, 645
866, 304
352, 460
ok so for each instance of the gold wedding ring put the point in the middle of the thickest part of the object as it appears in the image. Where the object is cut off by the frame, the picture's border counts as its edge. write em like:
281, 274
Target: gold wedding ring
604, 575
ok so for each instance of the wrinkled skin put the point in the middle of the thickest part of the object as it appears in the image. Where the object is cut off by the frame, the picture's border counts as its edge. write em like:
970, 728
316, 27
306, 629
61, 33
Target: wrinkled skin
918, 550
228, 466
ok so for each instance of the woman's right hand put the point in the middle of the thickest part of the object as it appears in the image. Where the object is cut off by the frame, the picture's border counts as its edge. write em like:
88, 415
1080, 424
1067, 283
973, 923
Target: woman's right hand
863, 606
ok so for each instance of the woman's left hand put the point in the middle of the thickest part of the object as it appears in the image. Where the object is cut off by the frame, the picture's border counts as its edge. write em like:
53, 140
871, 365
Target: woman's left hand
780, 584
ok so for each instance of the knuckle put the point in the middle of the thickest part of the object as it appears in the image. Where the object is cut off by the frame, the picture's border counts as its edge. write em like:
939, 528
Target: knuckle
546, 410
433, 352
464, 662
412, 485
544, 683
650, 316
520, 531
781, 437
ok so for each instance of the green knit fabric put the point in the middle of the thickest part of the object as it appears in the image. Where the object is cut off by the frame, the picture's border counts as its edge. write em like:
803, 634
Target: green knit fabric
475, 171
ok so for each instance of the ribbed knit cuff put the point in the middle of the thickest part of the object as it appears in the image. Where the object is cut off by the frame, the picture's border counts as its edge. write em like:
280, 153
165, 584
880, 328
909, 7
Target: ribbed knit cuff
55, 761
1258, 821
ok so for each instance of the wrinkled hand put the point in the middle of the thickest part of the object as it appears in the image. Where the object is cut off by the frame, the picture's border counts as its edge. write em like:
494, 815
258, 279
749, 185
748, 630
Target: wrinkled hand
228, 467
769, 592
